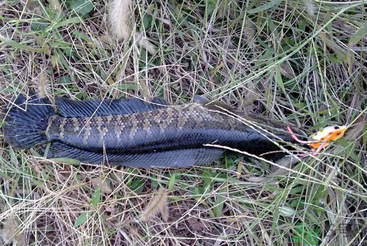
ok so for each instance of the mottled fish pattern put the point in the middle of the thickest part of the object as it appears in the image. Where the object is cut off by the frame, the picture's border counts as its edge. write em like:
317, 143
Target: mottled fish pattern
135, 133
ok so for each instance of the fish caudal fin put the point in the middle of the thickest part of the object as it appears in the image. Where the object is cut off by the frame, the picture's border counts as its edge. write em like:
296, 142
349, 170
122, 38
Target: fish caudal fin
26, 121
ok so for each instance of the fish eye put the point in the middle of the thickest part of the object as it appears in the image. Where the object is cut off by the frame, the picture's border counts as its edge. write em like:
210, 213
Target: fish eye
336, 127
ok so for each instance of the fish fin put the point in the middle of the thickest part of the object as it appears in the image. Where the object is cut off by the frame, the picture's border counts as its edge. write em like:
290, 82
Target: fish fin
26, 121
217, 106
98, 107
200, 99
166, 159
160, 101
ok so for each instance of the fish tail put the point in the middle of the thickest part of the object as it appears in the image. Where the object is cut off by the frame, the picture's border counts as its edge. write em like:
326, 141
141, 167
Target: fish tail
26, 121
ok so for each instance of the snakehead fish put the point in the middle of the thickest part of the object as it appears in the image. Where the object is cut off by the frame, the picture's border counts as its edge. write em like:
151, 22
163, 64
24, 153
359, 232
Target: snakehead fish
137, 133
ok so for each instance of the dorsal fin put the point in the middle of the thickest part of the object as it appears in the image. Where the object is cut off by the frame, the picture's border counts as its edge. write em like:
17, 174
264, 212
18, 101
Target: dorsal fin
218, 106
214, 105
98, 107
221, 107
200, 99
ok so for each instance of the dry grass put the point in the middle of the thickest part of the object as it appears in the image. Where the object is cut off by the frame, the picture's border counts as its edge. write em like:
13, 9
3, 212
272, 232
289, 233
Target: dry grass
302, 62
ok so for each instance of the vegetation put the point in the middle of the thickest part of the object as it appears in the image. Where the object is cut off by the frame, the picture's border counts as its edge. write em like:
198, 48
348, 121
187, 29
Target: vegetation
298, 61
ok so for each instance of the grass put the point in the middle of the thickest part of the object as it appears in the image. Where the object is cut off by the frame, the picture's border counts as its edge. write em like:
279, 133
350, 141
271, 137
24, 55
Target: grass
301, 62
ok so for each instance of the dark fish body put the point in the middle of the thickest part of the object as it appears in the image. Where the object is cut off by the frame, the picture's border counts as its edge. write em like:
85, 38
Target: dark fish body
135, 133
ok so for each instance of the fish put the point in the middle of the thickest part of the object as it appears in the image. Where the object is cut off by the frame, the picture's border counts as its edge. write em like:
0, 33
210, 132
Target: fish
137, 133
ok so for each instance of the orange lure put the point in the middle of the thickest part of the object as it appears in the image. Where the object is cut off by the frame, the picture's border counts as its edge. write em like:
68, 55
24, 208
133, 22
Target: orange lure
330, 133
319, 140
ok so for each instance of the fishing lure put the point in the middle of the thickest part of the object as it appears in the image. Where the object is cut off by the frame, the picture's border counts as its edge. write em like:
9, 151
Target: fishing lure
319, 140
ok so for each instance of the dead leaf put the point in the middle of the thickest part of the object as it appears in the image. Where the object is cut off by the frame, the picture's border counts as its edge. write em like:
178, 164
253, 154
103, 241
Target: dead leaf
196, 224
355, 131
11, 233
103, 185
157, 205
237, 217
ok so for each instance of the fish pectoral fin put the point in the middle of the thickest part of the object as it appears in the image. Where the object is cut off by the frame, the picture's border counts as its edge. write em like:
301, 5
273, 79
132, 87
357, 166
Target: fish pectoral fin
97, 107
165, 159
